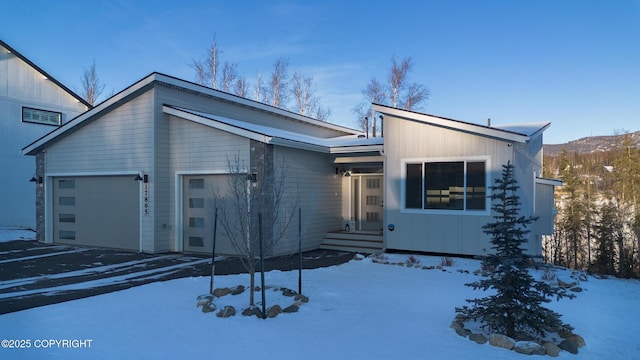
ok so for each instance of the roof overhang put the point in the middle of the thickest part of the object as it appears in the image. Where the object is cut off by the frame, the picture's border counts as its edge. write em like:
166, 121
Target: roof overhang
551, 182
45, 74
148, 81
522, 133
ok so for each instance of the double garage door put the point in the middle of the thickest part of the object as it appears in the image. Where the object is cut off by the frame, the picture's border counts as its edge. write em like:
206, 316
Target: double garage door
101, 211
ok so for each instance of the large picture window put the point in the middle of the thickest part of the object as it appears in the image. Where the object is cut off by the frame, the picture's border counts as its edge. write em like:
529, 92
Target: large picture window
446, 185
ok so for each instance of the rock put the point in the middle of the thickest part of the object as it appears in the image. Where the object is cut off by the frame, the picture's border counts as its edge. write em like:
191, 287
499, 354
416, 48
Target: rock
566, 285
529, 348
208, 308
463, 332
237, 290
478, 338
204, 300
579, 340
564, 333
220, 292
291, 308
274, 311
501, 341
251, 311
226, 312
358, 257
576, 289
288, 292
569, 345
455, 325
552, 349
477, 272
301, 298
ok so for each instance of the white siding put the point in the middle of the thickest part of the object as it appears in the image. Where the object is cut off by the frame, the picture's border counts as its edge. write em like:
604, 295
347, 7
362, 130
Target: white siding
21, 85
311, 177
446, 233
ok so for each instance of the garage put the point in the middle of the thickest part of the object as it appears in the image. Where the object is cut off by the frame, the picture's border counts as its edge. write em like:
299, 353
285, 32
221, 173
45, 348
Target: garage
102, 211
199, 213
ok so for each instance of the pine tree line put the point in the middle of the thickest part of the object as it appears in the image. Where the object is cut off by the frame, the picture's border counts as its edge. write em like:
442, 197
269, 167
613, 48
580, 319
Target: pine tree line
597, 227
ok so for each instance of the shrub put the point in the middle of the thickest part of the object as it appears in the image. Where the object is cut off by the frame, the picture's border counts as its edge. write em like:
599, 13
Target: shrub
446, 261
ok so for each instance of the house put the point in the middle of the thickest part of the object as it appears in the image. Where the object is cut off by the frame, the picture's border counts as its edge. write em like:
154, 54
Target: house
177, 139
32, 103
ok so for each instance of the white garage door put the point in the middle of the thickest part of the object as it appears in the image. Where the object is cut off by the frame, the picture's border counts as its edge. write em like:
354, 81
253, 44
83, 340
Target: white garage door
101, 211
199, 213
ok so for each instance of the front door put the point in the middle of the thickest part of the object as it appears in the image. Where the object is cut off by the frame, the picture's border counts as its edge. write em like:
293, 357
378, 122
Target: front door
367, 201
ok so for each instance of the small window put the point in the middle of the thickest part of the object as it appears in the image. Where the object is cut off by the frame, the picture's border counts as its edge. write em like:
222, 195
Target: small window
67, 201
197, 241
67, 235
66, 184
196, 203
373, 217
196, 183
67, 218
41, 116
373, 200
196, 222
373, 183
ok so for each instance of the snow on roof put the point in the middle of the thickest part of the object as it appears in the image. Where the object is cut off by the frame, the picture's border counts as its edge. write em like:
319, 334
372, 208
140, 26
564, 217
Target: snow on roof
527, 129
274, 135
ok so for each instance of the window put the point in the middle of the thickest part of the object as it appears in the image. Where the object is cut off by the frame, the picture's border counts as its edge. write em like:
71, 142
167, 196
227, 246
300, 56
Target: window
67, 218
67, 235
196, 241
66, 184
67, 201
196, 222
196, 183
196, 203
41, 116
373, 183
446, 185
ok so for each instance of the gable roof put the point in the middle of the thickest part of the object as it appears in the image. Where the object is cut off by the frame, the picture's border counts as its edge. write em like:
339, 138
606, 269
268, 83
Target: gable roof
521, 133
44, 74
155, 77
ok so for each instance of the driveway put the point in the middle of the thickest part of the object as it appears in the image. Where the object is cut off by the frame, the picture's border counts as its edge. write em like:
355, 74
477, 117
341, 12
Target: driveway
35, 274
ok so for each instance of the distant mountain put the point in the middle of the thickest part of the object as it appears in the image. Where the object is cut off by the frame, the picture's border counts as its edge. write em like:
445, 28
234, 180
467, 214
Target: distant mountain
590, 144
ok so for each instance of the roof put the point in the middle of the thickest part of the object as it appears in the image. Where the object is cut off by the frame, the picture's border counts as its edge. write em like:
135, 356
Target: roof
522, 133
44, 74
152, 78
270, 135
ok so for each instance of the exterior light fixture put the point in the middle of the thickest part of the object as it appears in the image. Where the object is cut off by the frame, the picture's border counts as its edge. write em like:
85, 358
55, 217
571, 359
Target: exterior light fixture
144, 178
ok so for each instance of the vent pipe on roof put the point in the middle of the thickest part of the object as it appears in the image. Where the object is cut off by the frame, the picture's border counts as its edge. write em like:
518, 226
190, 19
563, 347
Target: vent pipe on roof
489, 122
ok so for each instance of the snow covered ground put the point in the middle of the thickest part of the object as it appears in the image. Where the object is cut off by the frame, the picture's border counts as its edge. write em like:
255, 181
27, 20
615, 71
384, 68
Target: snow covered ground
359, 310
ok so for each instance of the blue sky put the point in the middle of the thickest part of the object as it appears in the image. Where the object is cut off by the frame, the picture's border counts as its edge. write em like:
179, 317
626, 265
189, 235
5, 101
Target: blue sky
575, 64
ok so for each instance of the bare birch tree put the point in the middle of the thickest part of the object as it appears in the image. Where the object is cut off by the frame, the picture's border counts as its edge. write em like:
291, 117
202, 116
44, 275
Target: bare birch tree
241, 87
92, 87
307, 102
229, 75
278, 83
206, 69
399, 91
239, 208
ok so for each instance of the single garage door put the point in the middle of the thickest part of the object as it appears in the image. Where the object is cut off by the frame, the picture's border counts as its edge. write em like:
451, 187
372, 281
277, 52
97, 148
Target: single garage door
199, 212
101, 211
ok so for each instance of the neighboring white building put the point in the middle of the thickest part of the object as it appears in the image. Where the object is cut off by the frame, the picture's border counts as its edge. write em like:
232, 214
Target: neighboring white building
421, 187
32, 103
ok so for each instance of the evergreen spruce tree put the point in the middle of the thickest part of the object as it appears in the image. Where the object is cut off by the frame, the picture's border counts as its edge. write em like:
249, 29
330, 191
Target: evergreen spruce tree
515, 309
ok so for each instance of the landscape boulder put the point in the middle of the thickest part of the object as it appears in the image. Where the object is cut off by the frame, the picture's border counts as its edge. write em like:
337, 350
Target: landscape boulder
501, 341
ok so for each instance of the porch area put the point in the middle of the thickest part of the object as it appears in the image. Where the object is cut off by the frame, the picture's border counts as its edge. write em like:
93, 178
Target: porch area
367, 242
